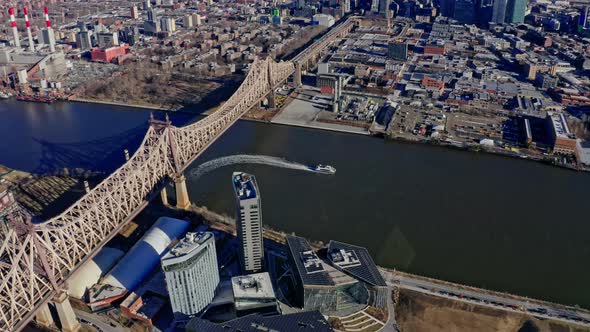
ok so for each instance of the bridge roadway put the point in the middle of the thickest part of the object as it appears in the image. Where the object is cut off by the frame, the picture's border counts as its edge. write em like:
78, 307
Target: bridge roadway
36, 259
495, 300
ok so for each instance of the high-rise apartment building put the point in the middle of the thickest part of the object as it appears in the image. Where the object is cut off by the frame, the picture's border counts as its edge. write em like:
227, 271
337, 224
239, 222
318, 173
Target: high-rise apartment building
375, 6
191, 273
447, 8
84, 39
384, 7
465, 11
134, 12
499, 11
168, 24
515, 10
107, 39
187, 21
152, 25
249, 222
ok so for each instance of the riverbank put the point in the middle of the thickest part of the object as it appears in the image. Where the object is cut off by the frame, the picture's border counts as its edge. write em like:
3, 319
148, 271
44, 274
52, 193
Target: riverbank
490, 150
131, 105
422, 311
304, 121
352, 130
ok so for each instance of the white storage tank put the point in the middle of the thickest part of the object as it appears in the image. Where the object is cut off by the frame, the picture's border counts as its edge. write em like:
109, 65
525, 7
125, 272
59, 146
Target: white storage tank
145, 255
90, 273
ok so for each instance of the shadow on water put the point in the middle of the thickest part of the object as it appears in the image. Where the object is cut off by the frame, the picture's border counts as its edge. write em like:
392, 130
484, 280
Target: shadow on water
100, 156
51, 189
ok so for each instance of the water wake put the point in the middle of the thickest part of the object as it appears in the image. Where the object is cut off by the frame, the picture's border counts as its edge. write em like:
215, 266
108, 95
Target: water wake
246, 159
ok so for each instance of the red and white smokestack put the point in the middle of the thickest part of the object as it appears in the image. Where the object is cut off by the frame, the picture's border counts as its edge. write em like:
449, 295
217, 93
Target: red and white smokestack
29, 34
14, 28
50, 35
47, 21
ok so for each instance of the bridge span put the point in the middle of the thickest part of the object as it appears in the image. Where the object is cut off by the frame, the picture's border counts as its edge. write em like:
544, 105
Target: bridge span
36, 259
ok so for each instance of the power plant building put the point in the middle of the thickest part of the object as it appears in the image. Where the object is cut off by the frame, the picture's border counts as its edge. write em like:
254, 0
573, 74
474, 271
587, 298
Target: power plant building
191, 273
249, 222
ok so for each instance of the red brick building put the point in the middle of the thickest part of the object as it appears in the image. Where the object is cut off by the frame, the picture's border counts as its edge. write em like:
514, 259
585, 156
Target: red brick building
107, 55
434, 49
430, 83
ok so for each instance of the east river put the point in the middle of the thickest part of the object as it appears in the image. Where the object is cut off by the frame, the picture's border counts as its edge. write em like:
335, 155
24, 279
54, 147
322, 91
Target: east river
504, 224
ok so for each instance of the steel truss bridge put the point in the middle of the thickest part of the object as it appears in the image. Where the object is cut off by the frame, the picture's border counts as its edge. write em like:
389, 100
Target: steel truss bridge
36, 259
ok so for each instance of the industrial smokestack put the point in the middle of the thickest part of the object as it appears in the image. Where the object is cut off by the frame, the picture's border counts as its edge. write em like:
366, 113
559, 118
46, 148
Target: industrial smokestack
29, 34
14, 28
50, 35
47, 21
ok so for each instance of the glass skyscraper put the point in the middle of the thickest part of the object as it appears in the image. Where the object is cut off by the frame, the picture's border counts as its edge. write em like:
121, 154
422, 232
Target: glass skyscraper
465, 11
499, 11
515, 10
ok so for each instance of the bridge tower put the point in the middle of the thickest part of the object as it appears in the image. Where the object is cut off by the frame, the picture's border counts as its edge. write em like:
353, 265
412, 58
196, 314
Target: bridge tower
297, 74
182, 199
272, 100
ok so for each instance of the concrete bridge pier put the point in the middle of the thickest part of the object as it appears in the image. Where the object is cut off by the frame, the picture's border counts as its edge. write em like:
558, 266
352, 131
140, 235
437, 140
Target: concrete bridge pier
182, 199
67, 317
272, 102
164, 195
297, 74
44, 317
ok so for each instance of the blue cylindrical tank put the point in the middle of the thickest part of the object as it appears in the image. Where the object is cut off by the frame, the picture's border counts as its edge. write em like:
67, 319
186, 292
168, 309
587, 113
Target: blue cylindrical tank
145, 255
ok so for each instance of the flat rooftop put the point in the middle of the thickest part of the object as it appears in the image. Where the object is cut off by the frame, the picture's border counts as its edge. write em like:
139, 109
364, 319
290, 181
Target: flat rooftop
188, 244
253, 286
559, 125
245, 185
100, 292
356, 262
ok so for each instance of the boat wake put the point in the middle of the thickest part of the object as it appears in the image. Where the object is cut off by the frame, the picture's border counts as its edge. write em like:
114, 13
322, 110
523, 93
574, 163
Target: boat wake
247, 159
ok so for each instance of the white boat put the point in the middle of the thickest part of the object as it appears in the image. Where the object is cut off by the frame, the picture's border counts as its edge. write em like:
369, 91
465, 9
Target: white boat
4, 95
324, 169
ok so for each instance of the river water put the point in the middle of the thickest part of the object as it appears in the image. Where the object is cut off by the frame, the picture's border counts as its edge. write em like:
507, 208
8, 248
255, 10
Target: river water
505, 224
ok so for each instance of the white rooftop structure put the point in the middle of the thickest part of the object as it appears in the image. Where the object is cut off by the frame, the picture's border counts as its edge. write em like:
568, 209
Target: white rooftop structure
189, 243
345, 258
253, 291
559, 125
